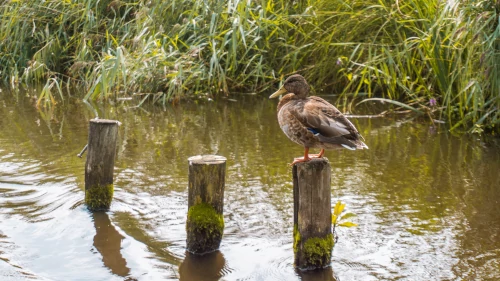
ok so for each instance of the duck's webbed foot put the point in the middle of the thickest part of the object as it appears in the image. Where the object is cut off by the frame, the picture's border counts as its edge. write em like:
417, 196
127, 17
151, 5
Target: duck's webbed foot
302, 159
320, 155
307, 156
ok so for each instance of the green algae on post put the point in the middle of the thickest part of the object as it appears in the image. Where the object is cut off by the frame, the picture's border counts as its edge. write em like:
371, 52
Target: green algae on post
318, 251
296, 239
206, 226
99, 197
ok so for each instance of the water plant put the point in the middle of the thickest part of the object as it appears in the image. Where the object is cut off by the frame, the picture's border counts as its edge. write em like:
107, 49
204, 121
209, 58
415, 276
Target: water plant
340, 221
413, 52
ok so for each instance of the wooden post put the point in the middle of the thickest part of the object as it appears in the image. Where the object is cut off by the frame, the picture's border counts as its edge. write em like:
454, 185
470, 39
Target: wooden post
100, 163
312, 214
205, 222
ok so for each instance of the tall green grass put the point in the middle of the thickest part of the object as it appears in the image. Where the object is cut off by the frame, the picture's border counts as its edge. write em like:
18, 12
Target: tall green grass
411, 51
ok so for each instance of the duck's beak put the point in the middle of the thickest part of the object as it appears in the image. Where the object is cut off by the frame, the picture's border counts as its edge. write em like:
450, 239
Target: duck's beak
279, 92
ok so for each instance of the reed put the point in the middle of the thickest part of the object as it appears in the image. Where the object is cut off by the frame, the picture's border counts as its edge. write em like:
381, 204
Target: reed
440, 57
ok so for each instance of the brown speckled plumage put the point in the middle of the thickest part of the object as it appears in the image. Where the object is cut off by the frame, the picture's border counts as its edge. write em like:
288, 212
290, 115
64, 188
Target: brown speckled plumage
312, 121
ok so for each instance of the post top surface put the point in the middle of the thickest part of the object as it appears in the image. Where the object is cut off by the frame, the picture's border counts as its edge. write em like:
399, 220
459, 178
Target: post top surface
207, 159
105, 121
313, 161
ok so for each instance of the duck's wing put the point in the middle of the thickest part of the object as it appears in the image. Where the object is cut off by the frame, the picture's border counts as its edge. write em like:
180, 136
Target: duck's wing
328, 123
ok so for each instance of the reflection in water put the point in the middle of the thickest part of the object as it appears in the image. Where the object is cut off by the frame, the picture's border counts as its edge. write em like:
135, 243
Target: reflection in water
325, 274
136, 230
107, 241
208, 267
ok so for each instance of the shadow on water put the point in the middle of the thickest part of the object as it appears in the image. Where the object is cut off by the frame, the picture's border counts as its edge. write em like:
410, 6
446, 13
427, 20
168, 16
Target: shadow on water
107, 241
208, 267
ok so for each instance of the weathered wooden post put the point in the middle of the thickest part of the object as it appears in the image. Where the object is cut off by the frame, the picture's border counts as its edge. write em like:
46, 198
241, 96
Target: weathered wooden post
312, 214
100, 163
205, 222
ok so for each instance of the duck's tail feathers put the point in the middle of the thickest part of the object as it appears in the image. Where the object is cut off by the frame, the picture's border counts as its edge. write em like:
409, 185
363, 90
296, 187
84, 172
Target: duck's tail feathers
348, 147
361, 145
358, 145
346, 143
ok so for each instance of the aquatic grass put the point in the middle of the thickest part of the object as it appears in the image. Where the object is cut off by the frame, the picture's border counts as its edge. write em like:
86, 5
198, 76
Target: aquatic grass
161, 51
46, 94
430, 51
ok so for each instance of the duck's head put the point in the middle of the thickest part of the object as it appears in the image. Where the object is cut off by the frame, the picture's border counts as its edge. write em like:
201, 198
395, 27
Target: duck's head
295, 84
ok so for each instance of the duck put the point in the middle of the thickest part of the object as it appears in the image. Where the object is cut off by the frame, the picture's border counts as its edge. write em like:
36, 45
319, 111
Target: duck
313, 122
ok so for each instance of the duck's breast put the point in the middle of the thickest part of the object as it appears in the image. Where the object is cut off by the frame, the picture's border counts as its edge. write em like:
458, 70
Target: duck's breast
293, 128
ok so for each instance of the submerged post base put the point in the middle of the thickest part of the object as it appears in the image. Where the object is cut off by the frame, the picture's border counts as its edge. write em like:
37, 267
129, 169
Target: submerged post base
99, 197
314, 252
204, 228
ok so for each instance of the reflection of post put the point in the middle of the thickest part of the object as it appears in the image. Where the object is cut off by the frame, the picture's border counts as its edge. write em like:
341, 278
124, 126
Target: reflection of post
107, 241
207, 267
325, 274
205, 223
100, 163
312, 214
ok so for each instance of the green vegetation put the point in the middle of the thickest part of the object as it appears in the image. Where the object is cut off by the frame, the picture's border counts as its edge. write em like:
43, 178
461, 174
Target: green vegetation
338, 220
99, 197
440, 57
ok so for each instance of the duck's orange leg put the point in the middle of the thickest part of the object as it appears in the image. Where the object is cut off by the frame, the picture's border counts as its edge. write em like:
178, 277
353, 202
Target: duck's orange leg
305, 159
320, 155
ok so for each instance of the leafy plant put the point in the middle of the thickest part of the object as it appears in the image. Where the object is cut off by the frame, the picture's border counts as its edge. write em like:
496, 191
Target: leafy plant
338, 220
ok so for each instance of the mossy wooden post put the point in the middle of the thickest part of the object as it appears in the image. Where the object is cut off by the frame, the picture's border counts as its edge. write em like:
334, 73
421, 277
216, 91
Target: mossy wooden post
312, 214
205, 222
100, 163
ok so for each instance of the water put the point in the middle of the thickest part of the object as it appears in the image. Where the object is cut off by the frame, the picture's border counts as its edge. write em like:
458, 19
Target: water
427, 202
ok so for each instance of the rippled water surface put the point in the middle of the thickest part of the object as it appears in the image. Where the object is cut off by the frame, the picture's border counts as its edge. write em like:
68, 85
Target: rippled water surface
427, 202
